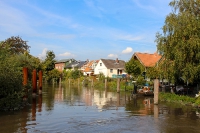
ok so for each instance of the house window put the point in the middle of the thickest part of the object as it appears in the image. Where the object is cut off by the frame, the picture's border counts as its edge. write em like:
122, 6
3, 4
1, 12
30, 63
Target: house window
100, 64
111, 70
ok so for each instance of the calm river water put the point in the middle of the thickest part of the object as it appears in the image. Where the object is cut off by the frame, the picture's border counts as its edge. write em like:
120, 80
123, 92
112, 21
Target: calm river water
73, 109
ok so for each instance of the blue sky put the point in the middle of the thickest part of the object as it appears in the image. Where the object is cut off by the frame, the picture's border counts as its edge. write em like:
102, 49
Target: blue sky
84, 29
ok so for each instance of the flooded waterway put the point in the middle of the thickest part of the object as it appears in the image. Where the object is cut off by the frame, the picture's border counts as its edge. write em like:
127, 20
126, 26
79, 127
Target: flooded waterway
75, 109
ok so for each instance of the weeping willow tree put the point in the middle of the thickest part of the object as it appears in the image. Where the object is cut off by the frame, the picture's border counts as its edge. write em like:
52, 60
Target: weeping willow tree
180, 42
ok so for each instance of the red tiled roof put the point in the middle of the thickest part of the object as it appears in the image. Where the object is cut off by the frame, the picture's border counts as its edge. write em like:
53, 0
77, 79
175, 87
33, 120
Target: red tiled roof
89, 65
148, 60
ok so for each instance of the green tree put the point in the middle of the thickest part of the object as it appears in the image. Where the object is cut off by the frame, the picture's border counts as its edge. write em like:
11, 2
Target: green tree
76, 74
16, 45
134, 67
53, 75
180, 42
49, 63
11, 87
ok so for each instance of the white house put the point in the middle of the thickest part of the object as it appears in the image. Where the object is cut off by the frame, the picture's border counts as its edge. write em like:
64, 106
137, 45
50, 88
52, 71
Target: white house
110, 67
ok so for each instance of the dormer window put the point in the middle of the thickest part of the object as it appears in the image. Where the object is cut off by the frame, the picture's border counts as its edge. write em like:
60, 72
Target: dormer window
100, 64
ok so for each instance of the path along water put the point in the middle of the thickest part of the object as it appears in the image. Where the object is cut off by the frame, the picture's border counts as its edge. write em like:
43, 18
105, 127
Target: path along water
75, 109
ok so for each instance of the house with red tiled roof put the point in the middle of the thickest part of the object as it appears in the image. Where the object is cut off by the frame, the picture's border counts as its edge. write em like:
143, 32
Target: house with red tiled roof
89, 67
146, 59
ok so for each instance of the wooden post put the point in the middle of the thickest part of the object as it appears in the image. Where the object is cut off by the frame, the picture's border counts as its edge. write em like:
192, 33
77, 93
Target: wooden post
118, 101
118, 85
156, 111
105, 83
34, 81
40, 82
25, 81
156, 90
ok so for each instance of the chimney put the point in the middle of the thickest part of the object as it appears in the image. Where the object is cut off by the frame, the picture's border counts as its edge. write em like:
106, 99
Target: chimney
117, 61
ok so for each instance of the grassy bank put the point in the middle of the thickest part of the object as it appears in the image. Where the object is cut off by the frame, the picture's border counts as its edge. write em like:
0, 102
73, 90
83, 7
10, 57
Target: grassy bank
186, 100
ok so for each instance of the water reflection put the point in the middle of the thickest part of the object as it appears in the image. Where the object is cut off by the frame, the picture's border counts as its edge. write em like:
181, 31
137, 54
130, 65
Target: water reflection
68, 108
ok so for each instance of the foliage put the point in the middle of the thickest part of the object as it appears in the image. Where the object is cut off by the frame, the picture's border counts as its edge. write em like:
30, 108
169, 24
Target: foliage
101, 77
134, 67
66, 74
11, 87
180, 42
15, 45
197, 102
141, 80
53, 75
152, 72
171, 97
76, 74
13, 57
49, 61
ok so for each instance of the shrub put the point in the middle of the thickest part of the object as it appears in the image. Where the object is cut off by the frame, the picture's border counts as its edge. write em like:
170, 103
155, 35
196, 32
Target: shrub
11, 87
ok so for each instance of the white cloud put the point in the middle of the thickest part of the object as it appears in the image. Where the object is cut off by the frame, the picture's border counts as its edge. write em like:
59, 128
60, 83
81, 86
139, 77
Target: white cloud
43, 54
112, 56
127, 50
66, 54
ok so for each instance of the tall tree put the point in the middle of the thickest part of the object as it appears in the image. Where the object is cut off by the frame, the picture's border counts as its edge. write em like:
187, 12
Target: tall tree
180, 42
15, 45
49, 61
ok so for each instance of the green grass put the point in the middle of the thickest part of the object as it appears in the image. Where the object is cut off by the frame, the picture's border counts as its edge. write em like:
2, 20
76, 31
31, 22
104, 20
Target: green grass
169, 97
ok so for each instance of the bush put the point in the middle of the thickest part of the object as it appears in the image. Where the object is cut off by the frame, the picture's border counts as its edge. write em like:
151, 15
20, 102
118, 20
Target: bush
11, 87
169, 97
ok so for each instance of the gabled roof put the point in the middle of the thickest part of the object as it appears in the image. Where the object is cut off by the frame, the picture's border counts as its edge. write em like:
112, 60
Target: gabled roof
81, 63
89, 65
76, 64
109, 63
71, 65
147, 60
65, 60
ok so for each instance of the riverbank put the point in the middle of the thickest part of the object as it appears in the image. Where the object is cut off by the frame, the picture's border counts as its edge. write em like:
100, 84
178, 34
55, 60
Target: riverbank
182, 99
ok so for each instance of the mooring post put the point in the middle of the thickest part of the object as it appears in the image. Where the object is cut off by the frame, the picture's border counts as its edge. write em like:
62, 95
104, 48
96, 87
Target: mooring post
118, 101
156, 111
25, 81
34, 81
40, 82
156, 90
106, 83
118, 85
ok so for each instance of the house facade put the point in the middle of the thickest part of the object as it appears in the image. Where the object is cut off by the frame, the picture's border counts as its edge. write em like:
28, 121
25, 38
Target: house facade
147, 60
110, 67
61, 64
89, 68
76, 65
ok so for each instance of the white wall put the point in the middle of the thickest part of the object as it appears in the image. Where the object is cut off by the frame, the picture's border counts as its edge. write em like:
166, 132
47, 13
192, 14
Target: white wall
101, 69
